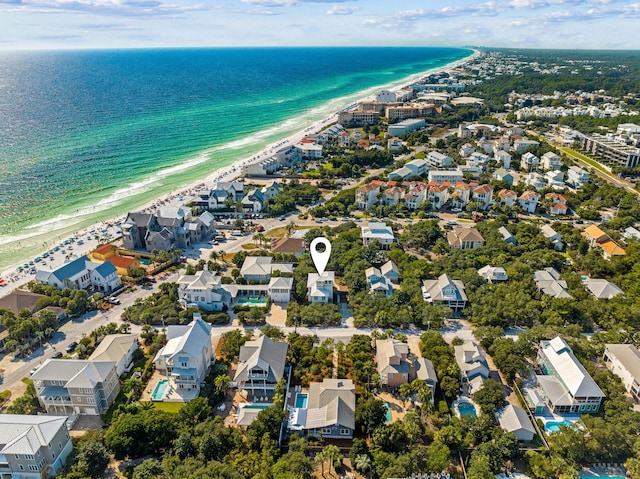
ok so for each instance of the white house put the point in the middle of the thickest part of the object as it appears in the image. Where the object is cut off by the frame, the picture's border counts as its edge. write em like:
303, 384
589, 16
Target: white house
576, 176
310, 150
529, 201
449, 292
271, 190
623, 360
438, 195
504, 157
82, 273
379, 232
438, 160
466, 150
186, 357
550, 161
260, 268
555, 179
440, 176
261, 365
523, 144
320, 288
548, 281
280, 289
507, 198
418, 166
553, 236
601, 288
483, 196
493, 274
202, 290
529, 162
367, 196
472, 363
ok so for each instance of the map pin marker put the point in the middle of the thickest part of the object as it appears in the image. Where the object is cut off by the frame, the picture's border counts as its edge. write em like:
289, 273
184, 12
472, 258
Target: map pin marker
320, 258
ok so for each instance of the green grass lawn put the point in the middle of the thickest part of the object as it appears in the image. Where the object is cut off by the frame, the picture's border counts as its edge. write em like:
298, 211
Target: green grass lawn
586, 159
172, 407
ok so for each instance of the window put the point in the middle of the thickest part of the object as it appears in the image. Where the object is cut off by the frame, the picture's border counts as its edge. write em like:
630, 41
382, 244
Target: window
20, 465
91, 400
344, 432
29, 457
326, 430
59, 446
33, 467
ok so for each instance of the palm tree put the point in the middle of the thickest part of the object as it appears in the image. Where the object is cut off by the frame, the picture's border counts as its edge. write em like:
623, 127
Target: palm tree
362, 462
406, 391
290, 228
221, 383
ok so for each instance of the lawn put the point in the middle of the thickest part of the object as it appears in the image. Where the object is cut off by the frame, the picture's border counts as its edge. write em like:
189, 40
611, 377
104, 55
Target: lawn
586, 159
172, 407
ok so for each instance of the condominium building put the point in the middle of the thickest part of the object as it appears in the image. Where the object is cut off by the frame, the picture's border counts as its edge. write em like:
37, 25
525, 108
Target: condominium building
611, 150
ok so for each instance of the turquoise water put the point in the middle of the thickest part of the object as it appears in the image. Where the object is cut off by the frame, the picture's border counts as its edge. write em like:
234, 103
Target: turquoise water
553, 426
252, 302
466, 409
387, 412
89, 135
145, 262
160, 390
256, 406
604, 476
301, 400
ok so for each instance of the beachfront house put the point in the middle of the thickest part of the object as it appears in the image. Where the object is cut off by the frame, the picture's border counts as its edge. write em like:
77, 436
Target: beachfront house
261, 365
65, 386
82, 273
186, 357
33, 447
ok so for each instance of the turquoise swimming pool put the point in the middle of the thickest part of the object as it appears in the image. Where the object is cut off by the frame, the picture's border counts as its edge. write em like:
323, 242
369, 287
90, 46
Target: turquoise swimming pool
301, 400
554, 426
145, 262
604, 476
256, 406
160, 390
387, 412
466, 409
252, 302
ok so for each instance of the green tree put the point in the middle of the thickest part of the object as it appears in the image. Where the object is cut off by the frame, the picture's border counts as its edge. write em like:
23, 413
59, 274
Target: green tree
490, 397
370, 414
147, 469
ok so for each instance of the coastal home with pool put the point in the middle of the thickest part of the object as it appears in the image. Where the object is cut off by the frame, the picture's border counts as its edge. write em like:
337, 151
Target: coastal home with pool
473, 365
261, 365
565, 385
184, 360
328, 411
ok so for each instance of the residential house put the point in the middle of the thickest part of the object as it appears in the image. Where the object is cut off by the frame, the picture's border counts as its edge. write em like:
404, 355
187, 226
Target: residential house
119, 348
631, 233
260, 268
344, 139
438, 160
424, 371
123, 264
557, 203
76, 386
418, 166
202, 290
515, 420
507, 198
261, 365
553, 236
529, 201
271, 190
461, 195
18, 300
438, 195
465, 238
280, 289
254, 201
394, 144
309, 149
576, 176
391, 358
548, 281
493, 274
392, 196
330, 411
596, 237
293, 246
529, 162
601, 288
466, 150
176, 221
473, 365
367, 196
449, 292
135, 229
535, 180
220, 195
186, 357
503, 157
390, 271
509, 177
507, 237
377, 282
555, 179
623, 360
523, 144
566, 386
82, 273
320, 287
33, 447
401, 173
483, 196
376, 231
102, 252
550, 161
441, 176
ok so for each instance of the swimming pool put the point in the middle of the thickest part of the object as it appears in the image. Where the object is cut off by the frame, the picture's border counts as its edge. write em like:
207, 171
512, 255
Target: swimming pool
256, 406
252, 302
604, 476
554, 426
145, 262
160, 390
466, 409
301, 400
387, 412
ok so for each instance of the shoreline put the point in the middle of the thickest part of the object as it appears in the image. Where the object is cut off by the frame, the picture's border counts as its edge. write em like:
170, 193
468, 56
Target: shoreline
225, 173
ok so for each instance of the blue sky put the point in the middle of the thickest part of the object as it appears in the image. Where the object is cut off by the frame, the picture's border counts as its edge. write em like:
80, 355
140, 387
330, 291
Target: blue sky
53, 24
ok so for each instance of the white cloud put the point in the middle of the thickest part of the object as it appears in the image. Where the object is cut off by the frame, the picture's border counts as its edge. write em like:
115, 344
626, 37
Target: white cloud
342, 10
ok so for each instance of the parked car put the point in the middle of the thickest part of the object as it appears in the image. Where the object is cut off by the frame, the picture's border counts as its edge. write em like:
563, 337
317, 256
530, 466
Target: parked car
71, 347
57, 355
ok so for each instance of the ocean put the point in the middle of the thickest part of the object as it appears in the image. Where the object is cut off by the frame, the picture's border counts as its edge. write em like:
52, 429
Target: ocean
89, 135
